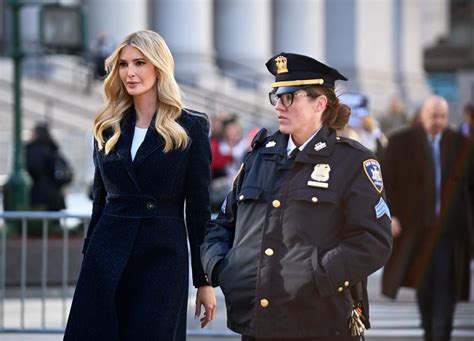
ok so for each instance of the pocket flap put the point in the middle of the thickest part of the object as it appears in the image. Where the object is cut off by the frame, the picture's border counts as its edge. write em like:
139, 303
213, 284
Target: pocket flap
249, 193
315, 196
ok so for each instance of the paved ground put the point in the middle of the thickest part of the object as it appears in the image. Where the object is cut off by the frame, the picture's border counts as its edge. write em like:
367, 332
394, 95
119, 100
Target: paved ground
391, 320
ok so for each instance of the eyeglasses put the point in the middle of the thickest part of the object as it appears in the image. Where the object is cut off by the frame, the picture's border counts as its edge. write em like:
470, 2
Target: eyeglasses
286, 98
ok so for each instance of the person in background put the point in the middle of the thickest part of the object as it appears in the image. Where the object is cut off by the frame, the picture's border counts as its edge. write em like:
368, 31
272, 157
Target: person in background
467, 126
219, 161
396, 118
366, 128
232, 145
42, 163
227, 154
100, 49
306, 221
151, 197
429, 182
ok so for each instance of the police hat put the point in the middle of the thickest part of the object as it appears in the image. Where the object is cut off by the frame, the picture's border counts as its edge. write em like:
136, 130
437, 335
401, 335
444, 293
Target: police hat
294, 72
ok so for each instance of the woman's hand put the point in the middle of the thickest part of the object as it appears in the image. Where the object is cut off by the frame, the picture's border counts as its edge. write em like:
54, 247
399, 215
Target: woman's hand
206, 297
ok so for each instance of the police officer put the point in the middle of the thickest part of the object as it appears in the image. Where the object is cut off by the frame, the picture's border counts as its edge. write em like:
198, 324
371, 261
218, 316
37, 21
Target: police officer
306, 221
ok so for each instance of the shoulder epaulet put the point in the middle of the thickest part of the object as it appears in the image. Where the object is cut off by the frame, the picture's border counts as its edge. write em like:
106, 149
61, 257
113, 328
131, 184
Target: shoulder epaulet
353, 143
259, 138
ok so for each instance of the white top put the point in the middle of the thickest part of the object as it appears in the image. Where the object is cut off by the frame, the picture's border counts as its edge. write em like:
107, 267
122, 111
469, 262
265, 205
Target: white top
138, 138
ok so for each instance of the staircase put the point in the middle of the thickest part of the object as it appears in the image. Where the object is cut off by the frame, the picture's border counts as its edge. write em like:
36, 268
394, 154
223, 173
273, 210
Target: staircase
68, 99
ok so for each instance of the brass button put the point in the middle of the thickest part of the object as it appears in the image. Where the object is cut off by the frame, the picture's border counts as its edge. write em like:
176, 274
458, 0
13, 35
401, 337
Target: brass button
241, 197
264, 302
340, 289
346, 284
269, 252
150, 206
276, 203
314, 199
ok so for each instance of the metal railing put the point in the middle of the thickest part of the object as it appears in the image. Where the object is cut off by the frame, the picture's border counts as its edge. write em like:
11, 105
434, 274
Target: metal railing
35, 262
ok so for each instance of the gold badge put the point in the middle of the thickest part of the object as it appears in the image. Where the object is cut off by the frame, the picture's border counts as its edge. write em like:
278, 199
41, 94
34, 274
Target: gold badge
281, 64
321, 175
270, 144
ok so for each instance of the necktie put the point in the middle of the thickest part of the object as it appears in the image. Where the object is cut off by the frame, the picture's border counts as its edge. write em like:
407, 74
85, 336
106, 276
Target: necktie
437, 166
293, 154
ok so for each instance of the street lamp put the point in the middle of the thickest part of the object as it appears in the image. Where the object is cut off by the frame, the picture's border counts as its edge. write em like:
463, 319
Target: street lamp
57, 21
16, 188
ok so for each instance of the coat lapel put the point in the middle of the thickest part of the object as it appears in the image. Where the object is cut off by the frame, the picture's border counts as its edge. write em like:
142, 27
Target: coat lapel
124, 143
150, 144
321, 144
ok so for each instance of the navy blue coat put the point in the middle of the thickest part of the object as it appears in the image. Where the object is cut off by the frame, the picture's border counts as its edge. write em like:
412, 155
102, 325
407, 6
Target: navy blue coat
295, 237
133, 283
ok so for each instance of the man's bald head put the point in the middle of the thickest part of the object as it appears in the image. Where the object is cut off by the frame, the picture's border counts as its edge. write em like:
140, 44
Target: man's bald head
434, 115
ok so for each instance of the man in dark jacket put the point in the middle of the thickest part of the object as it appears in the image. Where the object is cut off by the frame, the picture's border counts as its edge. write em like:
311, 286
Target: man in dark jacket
306, 222
428, 180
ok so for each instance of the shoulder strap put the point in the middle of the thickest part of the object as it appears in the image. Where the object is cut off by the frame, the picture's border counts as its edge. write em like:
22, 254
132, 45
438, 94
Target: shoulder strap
256, 143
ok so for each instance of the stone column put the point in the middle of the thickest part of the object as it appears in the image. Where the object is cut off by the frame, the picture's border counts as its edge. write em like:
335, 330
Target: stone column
359, 43
298, 27
409, 43
243, 36
187, 27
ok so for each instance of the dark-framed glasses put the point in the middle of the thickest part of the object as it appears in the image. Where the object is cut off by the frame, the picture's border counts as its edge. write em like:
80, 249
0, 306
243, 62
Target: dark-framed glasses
286, 98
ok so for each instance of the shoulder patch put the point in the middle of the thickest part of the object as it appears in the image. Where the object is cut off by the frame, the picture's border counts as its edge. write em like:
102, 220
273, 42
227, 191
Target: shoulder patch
373, 172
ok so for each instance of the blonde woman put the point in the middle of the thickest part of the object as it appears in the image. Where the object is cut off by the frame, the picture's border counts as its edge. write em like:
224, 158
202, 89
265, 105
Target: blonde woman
151, 195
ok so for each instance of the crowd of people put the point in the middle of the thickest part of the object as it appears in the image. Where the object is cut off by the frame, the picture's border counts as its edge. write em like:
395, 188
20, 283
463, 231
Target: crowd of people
304, 215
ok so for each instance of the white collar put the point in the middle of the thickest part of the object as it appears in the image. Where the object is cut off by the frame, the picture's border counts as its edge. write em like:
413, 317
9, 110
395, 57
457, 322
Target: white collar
291, 144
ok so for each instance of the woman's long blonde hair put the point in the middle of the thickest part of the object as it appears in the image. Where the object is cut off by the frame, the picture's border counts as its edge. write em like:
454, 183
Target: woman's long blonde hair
117, 100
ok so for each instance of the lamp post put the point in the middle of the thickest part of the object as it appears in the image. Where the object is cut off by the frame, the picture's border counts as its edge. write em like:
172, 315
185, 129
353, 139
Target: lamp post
16, 188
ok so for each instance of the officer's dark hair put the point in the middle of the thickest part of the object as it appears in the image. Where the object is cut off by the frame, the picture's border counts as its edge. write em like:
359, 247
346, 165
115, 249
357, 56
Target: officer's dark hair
336, 115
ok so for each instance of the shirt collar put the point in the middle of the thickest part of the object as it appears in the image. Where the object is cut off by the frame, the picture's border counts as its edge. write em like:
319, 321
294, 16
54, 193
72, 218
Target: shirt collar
291, 144
436, 138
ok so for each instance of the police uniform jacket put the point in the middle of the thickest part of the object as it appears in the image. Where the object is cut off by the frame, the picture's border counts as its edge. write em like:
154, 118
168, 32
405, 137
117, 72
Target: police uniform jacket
133, 283
296, 235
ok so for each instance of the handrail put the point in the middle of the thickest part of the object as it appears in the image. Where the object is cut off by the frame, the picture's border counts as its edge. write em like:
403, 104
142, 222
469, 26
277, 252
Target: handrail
41, 215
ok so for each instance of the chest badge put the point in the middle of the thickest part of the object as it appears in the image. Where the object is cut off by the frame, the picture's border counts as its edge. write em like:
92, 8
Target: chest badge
320, 175
270, 144
320, 145
373, 172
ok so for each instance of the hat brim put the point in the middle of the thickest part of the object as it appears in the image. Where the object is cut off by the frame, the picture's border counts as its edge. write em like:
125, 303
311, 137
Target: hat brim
285, 89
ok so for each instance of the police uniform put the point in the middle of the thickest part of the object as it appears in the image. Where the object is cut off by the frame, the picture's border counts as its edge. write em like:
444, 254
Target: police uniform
298, 233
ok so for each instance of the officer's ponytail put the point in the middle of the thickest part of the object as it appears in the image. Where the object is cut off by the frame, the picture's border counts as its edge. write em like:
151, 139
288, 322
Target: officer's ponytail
336, 115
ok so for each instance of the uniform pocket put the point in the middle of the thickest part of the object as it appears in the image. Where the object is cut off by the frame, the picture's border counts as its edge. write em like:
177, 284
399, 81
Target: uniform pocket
314, 196
249, 194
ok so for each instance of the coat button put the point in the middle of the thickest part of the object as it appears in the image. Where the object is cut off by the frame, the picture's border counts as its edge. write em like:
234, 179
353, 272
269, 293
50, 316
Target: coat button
340, 289
346, 284
264, 302
269, 252
150, 206
314, 199
276, 203
241, 197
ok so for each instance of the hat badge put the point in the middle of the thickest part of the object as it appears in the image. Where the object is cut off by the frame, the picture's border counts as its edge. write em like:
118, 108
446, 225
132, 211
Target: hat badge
281, 63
